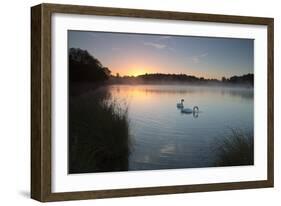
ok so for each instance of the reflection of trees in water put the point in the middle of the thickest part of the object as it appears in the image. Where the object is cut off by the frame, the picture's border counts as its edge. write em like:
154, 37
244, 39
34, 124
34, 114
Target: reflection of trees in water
242, 93
98, 134
170, 91
245, 93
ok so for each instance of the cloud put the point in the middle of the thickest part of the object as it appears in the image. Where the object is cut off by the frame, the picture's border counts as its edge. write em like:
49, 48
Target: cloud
164, 37
155, 45
196, 59
115, 49
93, 34
204, 54
171, 49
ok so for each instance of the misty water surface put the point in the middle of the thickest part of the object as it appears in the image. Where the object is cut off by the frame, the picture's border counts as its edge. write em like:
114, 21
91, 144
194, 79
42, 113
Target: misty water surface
161, 137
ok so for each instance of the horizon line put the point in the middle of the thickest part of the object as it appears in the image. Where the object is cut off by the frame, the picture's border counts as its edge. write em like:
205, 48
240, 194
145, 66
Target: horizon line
190, 75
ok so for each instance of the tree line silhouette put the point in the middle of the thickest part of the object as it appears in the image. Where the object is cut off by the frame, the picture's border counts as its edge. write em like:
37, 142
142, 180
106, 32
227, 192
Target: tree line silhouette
246, 78
83, 67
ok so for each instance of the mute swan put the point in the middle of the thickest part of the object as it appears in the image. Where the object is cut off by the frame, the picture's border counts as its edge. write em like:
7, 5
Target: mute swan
180, 105
189, 110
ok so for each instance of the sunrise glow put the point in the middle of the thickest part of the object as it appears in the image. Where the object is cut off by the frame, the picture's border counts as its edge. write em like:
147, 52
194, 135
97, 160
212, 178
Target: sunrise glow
137, 54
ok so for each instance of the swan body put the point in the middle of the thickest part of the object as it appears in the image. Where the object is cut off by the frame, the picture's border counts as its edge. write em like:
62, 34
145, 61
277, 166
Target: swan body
189, 110
180, 105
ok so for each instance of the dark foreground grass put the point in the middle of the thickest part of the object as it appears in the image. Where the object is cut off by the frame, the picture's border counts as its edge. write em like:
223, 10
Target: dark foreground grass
236, 149
98, 134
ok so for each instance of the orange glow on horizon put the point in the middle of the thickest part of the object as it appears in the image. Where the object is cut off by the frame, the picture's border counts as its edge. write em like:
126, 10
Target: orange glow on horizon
136, 70
137, 93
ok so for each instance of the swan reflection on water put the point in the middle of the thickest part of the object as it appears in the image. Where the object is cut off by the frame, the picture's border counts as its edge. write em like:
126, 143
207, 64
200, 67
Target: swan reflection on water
186, 110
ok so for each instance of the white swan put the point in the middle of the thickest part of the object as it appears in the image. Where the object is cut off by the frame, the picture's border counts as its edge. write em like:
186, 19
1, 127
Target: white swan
180, 105
189, 110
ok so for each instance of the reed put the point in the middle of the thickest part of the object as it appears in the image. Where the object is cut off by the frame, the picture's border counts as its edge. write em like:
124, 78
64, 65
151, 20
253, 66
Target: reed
236, 149
98, 134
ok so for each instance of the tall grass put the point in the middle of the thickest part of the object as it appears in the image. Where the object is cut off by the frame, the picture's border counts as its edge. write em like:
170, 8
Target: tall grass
236, 149
98, 134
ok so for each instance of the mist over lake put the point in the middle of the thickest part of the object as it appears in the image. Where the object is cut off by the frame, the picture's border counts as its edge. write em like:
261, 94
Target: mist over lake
163, 138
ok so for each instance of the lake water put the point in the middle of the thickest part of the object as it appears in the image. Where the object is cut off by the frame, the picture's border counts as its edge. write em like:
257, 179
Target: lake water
161, 137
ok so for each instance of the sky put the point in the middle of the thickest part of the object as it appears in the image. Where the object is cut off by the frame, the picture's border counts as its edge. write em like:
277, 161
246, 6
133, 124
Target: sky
136, 54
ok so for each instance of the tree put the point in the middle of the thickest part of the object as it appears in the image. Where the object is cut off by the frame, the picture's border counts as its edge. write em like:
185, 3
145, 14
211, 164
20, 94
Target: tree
83, 67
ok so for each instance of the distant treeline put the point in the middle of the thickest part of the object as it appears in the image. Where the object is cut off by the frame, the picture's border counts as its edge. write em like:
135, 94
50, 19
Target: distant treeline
244, 79
83, 67
158, 78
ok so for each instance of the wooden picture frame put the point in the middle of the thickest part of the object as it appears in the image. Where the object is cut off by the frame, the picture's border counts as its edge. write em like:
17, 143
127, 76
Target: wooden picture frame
41, 116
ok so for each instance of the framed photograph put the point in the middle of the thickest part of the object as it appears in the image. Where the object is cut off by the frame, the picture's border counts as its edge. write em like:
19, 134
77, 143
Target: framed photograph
130, 102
